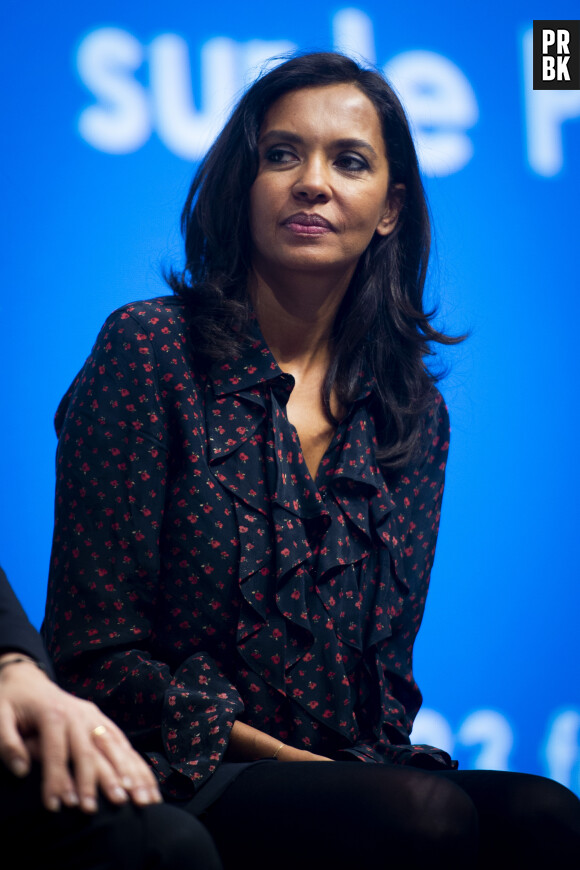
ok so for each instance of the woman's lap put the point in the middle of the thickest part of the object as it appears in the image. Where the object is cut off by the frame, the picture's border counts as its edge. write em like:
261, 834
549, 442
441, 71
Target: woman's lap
340, 815
349, 814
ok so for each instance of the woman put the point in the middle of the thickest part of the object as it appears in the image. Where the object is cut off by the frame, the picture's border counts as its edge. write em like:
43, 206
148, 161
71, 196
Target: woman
249, 483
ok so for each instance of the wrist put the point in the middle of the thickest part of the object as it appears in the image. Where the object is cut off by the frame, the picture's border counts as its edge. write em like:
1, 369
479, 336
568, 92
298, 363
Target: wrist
16, 658
265, 746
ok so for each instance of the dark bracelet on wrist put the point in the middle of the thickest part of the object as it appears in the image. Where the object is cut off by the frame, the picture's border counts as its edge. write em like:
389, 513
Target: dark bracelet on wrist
19, 659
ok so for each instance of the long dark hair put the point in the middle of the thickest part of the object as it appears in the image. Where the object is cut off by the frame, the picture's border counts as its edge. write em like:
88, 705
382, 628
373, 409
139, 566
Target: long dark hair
381, 322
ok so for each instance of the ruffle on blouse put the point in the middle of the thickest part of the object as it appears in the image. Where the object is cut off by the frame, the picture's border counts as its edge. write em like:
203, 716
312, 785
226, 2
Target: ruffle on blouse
297, 622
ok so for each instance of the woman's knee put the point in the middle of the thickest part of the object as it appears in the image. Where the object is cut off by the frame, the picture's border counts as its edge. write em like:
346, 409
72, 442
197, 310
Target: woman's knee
544, 811
177, 840
441, 815
417, 817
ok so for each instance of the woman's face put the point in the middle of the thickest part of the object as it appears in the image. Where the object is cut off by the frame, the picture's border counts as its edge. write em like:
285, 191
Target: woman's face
321, 190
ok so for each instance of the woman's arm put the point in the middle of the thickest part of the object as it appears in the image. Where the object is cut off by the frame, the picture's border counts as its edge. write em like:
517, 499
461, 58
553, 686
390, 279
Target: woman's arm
102, 621
250, 744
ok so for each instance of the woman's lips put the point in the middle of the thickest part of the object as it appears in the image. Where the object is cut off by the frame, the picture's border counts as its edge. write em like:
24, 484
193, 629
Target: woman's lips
308, 224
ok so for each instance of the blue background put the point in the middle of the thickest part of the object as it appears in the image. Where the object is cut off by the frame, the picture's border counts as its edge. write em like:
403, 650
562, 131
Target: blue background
86, 230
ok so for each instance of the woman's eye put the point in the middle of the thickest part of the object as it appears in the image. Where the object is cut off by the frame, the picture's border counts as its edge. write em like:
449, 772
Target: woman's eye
351, 162
280, 155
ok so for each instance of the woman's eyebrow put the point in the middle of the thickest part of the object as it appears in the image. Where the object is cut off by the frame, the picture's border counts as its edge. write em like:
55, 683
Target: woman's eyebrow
360, 144
295, 139
283, 135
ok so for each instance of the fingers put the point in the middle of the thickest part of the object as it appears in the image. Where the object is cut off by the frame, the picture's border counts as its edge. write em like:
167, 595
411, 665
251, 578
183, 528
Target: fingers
79, 749
100, 757
290, 753
86, 764
123, 766
72, 766
54, 747
13, 752
103, 759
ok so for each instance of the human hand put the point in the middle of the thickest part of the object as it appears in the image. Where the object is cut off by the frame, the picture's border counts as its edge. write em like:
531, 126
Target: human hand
290, 753
79, 749
249, 744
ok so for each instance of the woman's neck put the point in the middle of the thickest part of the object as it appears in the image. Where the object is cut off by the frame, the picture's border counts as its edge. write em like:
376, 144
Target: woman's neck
297, 319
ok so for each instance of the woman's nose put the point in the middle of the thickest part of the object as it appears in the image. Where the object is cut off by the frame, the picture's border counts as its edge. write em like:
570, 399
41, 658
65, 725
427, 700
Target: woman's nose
313, 182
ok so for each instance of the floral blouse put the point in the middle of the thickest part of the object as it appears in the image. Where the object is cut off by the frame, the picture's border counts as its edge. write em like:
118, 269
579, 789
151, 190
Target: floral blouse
199, 574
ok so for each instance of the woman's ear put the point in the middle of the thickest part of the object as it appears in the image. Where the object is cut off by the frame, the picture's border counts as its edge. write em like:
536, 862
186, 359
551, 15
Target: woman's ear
395, 203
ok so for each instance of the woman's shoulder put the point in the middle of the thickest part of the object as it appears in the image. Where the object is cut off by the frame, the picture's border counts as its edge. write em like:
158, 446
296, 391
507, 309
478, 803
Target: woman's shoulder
431, 437
437, 415
160, 315
435, 429
155, 327
140, 340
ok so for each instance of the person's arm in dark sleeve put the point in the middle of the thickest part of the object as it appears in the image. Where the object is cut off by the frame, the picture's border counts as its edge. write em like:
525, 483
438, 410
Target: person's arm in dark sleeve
112, 466
17, 634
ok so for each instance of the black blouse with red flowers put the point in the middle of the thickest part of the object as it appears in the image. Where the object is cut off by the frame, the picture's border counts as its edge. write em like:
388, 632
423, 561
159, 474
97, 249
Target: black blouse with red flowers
199, 574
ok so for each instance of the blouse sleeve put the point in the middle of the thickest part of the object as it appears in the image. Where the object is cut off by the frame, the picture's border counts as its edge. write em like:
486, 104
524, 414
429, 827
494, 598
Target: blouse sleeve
413, 535
16, 632
112, 464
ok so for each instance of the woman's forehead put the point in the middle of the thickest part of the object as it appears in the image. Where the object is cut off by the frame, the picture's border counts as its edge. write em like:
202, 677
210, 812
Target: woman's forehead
337, 111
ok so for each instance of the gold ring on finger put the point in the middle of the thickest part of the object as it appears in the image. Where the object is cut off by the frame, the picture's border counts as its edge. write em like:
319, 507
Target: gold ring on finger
99, 731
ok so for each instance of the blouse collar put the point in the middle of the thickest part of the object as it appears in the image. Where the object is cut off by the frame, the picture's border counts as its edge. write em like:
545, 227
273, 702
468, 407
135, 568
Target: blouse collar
255, 365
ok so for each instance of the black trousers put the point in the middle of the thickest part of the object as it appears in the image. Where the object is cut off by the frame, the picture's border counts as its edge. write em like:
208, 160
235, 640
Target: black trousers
355, 816
156, 837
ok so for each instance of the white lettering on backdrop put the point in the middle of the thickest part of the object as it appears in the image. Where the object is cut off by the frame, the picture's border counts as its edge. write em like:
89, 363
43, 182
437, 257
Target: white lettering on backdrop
439, 98
546, 113
491, 736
